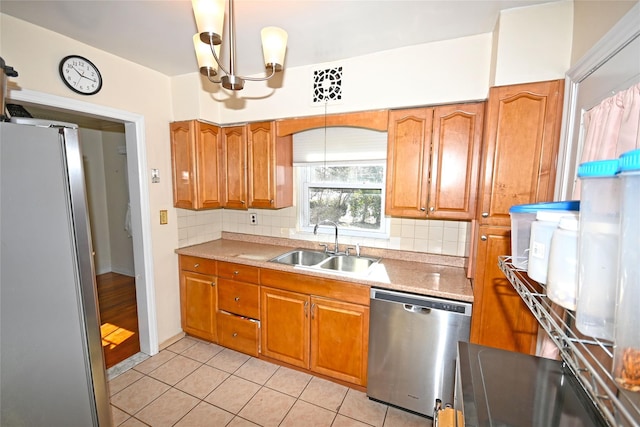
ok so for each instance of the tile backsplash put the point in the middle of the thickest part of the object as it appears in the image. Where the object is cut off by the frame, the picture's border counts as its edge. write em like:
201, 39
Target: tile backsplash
428, 236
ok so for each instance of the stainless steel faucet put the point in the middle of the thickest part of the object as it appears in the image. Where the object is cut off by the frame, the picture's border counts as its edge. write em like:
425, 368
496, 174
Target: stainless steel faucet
315, 231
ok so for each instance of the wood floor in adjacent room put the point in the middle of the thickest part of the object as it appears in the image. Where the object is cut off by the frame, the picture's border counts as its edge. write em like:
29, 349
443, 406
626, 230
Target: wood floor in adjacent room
119, 317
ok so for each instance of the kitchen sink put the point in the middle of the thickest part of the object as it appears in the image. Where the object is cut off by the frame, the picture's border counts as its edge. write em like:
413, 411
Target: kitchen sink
301, 257
349, 264
327, 262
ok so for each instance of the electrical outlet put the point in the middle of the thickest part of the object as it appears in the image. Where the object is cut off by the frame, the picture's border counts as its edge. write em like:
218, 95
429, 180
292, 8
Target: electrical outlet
253, 219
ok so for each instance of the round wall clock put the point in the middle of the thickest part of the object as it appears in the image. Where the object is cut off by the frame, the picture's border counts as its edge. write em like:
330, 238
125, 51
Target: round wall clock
80, 75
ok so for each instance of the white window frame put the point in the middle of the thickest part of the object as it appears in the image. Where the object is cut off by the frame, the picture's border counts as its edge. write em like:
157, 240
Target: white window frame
303, 173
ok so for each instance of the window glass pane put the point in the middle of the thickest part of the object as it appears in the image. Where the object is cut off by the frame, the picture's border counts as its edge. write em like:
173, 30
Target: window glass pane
348, 174
348, 207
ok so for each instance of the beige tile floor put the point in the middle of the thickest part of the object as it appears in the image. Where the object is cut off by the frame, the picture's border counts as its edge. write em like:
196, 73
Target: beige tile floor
195, 383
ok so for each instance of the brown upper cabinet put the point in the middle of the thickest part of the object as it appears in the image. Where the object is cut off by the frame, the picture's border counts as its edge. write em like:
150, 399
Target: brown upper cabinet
433, 158
196, 155
270, 167
234, 143
521, 148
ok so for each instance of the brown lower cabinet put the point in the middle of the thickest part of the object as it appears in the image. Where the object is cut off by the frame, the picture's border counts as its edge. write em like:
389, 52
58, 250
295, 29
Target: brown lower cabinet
317, 324
198, 297
507, 322
320, 334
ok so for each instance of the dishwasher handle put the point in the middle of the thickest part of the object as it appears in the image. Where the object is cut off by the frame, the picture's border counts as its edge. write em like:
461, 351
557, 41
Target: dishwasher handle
416, 309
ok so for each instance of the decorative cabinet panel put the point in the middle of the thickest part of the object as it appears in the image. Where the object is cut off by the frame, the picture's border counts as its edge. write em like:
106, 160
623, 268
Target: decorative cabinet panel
519, 158
455, 161
270, 166
520, 148
196, 155
409, 145
234, 143
433, 159
500, 317
339, 339
285, 326
198, 297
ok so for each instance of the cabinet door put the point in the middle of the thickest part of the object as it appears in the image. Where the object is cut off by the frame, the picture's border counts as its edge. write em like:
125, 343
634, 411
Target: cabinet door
409, 141
198, 305
270, 170
208, 157
183, 163
285, 326
500, 317
339, 340
195, 157
455, 161
235, 152
520, 149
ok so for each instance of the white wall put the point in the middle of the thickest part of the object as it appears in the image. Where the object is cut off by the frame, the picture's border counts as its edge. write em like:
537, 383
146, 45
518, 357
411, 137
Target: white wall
35, 53
534, 43
93, 162
116, 188
592, 20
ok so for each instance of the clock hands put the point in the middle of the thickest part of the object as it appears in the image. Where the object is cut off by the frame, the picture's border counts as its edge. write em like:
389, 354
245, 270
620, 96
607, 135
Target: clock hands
82, 74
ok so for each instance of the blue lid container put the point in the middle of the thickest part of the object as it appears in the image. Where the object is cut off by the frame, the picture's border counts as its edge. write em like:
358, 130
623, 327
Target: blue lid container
630, 161
566, 205
599, 169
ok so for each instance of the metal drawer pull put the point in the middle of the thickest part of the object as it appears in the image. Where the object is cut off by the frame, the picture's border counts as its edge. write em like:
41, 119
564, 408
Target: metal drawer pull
235, 334
306, 304
236, 299
485, 214
213, 283
483, 238
236, 272
196, 265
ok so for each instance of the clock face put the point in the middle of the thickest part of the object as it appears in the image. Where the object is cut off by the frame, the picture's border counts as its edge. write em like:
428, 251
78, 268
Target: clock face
80, 75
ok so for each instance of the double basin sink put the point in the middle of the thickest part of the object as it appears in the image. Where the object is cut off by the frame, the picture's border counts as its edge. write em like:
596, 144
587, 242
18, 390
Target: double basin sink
327, 262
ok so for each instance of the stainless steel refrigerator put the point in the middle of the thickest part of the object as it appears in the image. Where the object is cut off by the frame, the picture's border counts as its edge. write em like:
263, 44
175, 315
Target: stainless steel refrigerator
52, 368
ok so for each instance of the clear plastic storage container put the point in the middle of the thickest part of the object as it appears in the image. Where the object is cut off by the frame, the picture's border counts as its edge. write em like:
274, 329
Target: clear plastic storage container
598, 248
541, 231
521, 218
626, 350
562, 278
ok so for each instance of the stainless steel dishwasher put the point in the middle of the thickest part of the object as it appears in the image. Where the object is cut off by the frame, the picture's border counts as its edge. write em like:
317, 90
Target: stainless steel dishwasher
413, 348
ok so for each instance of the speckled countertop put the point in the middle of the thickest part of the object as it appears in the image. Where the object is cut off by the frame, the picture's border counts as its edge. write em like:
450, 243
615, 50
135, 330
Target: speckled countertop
423, 274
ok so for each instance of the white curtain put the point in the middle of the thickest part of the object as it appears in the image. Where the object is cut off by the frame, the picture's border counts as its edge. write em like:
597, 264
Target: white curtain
611, 128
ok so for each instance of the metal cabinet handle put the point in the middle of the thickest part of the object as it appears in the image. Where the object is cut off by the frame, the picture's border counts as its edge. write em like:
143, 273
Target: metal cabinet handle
235, 334
236, 299
483, 238
485, 214
271, 201
242, 201
196, 265
431, 209
312, 307
236, 272
306, 305
213, 284
422, 209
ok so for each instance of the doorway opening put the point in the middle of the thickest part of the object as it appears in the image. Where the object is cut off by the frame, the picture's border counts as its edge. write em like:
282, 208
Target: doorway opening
91, 116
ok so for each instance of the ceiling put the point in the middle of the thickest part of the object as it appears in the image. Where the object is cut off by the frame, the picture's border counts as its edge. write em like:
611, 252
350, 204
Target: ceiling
158, 34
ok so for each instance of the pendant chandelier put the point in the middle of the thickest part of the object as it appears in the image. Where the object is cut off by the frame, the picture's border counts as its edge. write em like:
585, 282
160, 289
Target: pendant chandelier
209, 16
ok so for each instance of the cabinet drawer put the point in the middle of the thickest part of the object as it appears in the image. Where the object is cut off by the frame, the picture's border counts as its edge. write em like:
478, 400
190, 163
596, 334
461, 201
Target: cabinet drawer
239, 298
238, 333
197, 265
243, 273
